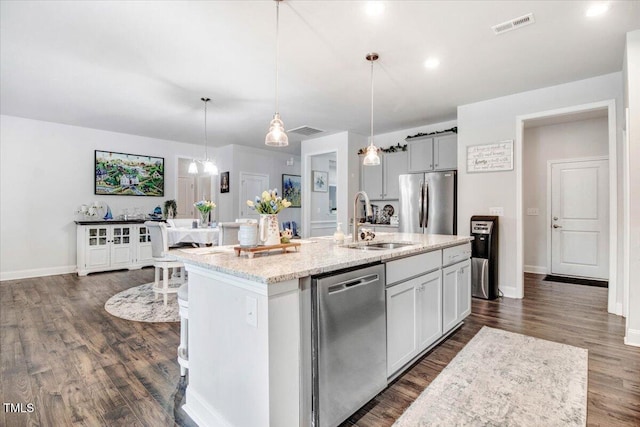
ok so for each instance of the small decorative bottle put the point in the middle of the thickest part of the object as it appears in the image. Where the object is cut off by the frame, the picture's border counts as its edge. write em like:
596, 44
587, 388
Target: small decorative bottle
338, 236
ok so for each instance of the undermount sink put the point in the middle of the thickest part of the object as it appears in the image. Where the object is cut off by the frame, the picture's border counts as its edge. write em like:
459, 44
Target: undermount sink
380, 246
390, 245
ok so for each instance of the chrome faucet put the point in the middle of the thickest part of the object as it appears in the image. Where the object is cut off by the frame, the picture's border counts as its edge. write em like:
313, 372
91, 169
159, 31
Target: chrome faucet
368, 212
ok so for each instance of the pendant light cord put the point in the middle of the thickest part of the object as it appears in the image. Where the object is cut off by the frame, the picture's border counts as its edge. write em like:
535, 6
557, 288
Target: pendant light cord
371, 102
206, 154
277, 49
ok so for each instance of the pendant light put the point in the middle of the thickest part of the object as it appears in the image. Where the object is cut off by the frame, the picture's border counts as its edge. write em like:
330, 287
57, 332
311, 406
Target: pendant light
371, 157
277, 137
208, 165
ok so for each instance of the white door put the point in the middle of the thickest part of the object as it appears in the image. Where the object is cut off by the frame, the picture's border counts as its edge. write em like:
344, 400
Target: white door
580, 219
186, 197
251, 185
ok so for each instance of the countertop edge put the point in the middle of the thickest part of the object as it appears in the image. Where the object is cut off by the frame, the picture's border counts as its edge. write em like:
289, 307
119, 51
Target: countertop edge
379, 256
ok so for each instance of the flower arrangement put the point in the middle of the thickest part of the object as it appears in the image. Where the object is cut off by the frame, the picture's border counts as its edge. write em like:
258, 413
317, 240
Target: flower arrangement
270, 203
204, 206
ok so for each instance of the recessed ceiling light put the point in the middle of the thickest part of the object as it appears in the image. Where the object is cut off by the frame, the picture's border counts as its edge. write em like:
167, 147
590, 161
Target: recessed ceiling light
597, 9
375, 8
432, 63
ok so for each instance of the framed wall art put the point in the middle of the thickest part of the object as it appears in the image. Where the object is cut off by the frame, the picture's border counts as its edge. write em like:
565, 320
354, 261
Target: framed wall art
321, 181
224, 182
495, 157
122, 174
292, 189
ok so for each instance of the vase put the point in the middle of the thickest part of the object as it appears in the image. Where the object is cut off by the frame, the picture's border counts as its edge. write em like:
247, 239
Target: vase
204, 219
269, 230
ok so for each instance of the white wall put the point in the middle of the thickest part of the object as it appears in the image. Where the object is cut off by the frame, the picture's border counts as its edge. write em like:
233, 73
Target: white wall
632, 100
238, 158
576, 139
47, 172
495, 120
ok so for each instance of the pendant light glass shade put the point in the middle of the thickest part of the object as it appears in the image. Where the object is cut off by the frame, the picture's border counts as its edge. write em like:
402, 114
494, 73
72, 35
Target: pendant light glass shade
371, 157
208, 165
276, 136
193, 167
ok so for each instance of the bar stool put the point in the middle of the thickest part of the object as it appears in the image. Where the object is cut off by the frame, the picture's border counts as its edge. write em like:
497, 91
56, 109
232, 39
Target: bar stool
183, 306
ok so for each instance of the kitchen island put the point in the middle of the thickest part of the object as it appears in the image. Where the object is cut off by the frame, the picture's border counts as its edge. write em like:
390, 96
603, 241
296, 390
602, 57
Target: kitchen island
250, 331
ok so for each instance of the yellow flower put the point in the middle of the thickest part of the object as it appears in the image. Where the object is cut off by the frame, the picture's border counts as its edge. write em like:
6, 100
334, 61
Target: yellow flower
266, 196
250, 203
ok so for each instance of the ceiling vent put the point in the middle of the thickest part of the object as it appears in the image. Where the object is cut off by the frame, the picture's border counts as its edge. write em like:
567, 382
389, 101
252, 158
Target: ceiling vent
514, 24
305, 131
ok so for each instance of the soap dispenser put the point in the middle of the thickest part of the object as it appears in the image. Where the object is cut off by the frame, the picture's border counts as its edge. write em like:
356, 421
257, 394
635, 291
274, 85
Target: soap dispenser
338, 236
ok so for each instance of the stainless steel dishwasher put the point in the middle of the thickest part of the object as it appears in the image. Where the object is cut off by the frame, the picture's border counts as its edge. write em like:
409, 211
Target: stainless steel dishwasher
349, 342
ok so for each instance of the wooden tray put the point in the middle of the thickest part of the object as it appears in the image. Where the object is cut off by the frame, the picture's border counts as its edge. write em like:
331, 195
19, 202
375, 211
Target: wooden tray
252, 251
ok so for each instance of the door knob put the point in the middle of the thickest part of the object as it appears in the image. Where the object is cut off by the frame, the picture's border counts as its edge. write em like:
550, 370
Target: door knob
555, 218
557, 226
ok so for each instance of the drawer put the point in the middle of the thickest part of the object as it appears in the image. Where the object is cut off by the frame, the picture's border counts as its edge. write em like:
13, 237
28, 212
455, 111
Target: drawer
405, 268
456, 254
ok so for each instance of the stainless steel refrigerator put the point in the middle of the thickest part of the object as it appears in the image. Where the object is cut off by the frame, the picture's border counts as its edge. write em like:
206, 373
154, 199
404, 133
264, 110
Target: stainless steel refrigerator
428, 203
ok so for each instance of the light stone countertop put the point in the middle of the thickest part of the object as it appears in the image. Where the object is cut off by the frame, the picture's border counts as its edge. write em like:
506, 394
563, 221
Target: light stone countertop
314, 256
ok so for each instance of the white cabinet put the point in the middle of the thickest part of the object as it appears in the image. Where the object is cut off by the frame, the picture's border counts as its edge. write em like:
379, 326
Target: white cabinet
144, 254
456, 294
394, 165
429, 297
425, 301
433, 153
102, 247
371, 181
381, 182
402, 322
414, 319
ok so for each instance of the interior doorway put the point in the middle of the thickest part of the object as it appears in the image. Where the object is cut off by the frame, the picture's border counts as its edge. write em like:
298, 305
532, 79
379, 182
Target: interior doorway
528, 211
323, 201
191, 188
251, 185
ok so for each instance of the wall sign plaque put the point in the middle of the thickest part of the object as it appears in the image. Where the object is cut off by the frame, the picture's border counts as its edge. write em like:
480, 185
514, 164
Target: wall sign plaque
495, 157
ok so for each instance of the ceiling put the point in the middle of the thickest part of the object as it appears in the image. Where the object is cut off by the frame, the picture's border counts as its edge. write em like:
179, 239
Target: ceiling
141, 67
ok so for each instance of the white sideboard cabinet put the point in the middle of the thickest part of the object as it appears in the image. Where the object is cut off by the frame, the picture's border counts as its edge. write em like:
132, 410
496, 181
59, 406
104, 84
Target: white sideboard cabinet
433, 153
103, 246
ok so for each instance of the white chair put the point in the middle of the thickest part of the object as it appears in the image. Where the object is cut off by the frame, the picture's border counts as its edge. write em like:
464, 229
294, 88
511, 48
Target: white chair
183, 352
162, 261
228, 233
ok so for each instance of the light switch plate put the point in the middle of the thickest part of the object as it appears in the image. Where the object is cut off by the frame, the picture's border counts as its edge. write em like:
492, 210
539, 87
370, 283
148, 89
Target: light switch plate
251, 305
533, 211
496, 211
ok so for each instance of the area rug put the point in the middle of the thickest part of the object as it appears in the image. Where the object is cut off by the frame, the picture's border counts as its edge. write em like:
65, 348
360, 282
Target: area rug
504, 379
139, 304
576, 281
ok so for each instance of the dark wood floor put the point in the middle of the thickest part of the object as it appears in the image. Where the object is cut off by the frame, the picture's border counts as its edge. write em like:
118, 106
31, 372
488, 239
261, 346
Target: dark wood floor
79, 365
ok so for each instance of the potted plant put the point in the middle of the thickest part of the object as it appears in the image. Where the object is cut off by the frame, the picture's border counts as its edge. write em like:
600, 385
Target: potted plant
170, 209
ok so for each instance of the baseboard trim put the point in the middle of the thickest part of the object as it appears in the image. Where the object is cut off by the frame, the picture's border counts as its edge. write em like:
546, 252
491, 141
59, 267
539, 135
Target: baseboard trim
37, 272
632, 337
510, 292
201, 412
536, 269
